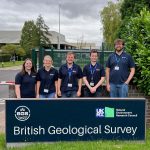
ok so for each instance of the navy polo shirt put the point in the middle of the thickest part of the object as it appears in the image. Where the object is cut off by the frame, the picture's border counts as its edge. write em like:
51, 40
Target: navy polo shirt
47, 80
64, 76
124, 62
96, 75
27, 84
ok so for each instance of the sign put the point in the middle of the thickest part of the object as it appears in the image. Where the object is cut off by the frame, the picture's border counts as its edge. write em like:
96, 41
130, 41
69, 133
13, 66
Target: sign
74, 119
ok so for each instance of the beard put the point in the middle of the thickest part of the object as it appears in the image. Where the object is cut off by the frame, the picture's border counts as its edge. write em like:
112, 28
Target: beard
119, 49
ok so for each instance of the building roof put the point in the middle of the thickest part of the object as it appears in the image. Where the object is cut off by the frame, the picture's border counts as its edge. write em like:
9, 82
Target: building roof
14, 37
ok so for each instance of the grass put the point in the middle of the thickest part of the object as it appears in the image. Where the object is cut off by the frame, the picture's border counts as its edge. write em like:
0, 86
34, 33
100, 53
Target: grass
10, 64
93, 145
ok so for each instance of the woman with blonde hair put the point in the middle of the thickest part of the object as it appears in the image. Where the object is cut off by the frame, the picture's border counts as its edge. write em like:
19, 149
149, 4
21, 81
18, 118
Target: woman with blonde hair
25, 81
47, 78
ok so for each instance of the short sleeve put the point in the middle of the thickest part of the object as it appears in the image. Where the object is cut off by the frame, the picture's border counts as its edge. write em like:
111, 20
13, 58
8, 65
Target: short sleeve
18, 78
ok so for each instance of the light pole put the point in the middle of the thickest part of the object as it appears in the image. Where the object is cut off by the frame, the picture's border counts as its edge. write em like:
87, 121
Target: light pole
59, 29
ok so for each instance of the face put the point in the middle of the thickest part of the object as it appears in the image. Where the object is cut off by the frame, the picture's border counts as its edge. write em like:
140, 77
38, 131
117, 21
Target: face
118, 46
28, 65
94, 57
70, 58
47, 62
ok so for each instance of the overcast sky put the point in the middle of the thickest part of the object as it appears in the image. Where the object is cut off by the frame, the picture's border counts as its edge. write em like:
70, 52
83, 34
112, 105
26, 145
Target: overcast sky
79, 19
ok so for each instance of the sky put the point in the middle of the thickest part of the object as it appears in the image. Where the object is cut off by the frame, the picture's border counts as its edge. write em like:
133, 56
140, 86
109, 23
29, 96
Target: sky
79, 19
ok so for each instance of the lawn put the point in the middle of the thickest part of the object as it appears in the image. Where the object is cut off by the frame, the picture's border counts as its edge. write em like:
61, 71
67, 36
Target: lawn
95, 145
10, 64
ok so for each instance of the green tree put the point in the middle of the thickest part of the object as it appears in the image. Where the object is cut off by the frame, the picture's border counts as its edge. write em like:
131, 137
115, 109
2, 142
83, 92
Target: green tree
11, 50
43, 32
29, 37
131, 8
111, 20
137, 37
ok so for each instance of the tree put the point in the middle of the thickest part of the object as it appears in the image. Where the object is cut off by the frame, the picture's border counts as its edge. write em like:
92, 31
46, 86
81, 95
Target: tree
43, 32
29, 37
111, 20
13, 50
131, 8
137, 37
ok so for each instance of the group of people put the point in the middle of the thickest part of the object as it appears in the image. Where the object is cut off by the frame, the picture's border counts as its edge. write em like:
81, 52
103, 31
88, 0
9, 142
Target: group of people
48, 82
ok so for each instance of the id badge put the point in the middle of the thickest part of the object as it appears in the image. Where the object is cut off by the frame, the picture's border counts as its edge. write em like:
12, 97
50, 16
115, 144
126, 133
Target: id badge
69, 85
45, 90
91, 83
116, 67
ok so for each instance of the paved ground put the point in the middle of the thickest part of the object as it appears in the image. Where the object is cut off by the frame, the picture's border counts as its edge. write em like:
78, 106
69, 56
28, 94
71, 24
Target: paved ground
6, 74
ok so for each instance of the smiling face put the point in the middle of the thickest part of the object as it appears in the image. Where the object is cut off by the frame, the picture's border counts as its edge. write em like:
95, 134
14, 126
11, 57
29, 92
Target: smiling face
70, 58
119, 46
28, 65
94, 57
47, 62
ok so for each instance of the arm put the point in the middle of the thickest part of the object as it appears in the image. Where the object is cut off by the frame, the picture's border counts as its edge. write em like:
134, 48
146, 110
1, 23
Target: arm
86, 82
107, 79
37, 89
58, 86
132, 72
17, 90
79, 87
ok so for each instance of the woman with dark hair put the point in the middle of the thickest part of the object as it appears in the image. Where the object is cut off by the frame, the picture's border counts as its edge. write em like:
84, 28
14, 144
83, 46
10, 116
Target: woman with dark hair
25, 81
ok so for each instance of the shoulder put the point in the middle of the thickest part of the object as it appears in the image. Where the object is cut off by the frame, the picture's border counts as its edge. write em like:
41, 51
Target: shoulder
76, 66
19, 74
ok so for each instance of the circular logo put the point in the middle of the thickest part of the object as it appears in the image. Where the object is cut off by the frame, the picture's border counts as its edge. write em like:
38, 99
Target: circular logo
22, 113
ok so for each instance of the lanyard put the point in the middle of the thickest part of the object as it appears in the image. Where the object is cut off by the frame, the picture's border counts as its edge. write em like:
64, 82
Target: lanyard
117, 59
92, 70
70, 70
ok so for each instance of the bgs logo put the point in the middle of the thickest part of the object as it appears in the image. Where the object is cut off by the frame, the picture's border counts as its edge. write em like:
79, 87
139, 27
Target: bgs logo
22, 113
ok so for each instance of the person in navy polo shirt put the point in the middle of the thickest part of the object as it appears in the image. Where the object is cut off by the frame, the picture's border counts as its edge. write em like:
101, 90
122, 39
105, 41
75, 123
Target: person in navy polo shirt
47, 78
93, 76
120, 69
70, 78
25, 81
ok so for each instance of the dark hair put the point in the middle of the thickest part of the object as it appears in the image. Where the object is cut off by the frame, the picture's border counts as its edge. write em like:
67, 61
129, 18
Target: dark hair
23, 66
119, 41
93, 51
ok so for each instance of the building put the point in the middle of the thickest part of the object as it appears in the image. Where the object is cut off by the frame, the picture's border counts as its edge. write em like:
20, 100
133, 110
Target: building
13, 37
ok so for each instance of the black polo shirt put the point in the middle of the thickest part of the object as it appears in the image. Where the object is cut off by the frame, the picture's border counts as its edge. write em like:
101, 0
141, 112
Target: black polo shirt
27, 84
124, 62
74, 76
47, 80
95, 72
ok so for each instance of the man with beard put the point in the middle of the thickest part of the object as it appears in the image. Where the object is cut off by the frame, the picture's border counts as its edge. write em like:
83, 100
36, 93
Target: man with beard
120, 69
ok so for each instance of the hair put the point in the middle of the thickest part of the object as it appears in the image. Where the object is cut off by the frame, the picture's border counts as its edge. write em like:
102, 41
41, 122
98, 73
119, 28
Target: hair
49, 57
119, 41
93, 51
23, 66
70, 53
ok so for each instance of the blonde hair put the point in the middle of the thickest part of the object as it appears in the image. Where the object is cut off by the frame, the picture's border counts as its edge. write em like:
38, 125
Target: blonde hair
48, 57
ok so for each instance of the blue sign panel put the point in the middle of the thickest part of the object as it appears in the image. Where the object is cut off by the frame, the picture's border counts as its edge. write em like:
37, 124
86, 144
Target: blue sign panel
74, 119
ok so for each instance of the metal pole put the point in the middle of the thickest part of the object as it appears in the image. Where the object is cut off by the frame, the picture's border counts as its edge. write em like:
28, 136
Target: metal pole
59, 29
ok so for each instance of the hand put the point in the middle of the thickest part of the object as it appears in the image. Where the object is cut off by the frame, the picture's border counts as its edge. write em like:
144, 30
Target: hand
78, 93
93, 89
55, 96
59, 93
108, 87
37, 96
